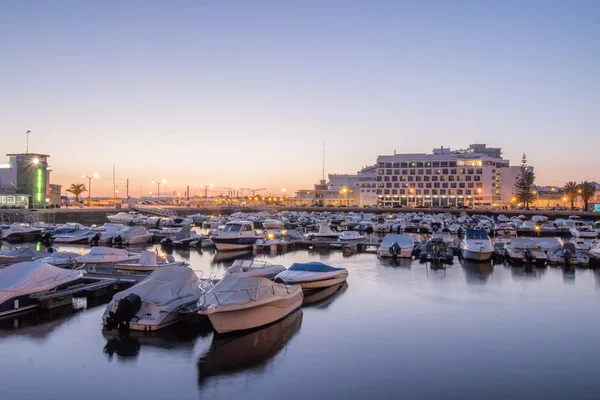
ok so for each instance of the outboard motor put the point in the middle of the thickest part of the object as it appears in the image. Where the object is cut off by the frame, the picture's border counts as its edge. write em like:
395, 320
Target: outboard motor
118, 240
167, 242
528, 256
567, 256
126, 309
395, 249
436, 253
45, 238
95, 240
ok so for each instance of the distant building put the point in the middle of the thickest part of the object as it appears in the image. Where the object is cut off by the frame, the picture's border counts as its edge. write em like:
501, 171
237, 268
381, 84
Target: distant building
27, 176
55, 198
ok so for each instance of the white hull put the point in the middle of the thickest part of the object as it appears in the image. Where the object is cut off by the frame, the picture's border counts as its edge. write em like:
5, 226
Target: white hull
321, 284
404, 253
232, 246
475, 255
249, 318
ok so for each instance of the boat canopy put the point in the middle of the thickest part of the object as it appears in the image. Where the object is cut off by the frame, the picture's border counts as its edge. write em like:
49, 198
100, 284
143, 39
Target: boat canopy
403, 240
233, 289
523, 243
103, 251
148, 258
313, 267
547, 243
164, 285
30, 275
477, 234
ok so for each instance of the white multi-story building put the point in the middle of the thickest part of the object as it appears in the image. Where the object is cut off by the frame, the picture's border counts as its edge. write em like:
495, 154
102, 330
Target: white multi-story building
476, 176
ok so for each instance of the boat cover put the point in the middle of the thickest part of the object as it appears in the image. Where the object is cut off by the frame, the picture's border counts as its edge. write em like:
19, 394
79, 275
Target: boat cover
404, 241
148, 258
523, 243
24, 252
547, 243
104, 251
165, 285
313, 267
234, 289
31, 276
133, 231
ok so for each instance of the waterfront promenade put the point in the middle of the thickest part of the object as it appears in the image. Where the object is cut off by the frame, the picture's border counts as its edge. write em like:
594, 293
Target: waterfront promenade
97, 215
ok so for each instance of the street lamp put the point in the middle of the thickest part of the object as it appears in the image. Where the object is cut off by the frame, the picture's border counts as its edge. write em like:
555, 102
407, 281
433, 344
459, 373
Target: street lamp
89, 187
345, 193
479, 196
158, 184
206, 189
565, 202
283, 198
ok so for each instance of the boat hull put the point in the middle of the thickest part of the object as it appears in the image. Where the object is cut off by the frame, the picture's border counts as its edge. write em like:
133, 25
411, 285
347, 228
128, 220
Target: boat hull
250, 318
232, 244
475, 255
325, 283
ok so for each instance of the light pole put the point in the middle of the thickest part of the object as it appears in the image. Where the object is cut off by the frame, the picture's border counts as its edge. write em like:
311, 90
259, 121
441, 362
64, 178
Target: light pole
564, 202
90, 187
345, 192
158, 184
206, 189
479, 197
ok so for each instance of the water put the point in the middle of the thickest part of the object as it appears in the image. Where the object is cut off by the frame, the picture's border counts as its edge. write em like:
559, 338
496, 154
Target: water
396, 331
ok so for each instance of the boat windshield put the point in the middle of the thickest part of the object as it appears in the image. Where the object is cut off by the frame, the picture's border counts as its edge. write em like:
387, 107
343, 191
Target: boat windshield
477, 235
233, 228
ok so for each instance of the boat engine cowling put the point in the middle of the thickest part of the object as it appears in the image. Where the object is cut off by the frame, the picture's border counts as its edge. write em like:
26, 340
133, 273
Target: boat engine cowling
95, 240
567, 257
127, 308
395, 249
118, 240
528, 256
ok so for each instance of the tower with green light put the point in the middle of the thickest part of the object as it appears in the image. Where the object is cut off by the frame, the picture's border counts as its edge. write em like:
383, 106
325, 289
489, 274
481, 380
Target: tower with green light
30, 174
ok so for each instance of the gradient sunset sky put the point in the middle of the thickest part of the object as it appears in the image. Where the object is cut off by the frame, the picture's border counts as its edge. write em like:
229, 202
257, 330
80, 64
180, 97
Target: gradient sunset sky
243, 93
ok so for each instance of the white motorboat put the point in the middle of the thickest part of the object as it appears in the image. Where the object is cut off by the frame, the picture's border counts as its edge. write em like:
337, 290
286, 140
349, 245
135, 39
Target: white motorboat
524, 250
127, 218
240, 303
20, 281
106, 256
81, 236
254, 268
584, 231
381, 225
351, 236
272, 224
183, 237
22, 254
236, 235
396, 246
324, 233
62, 230
476, 245
155, 302
106, 233
312, 275
20, 232
133, 235
149, 261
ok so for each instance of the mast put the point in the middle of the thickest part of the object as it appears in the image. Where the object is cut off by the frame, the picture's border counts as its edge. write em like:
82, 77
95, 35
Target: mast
114, 187
323, 178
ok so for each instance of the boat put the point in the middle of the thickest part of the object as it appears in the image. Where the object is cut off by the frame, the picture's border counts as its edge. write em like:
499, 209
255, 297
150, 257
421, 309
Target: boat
255, 268
236, 235
78, 236
476, 245
62, 230
22, 254
436, 250
127, 218
106, 256
20, 232
324, 233
567, 254
149, 261
351, 236
181, 238
524, 250
312, 275
239, 303
252, 350
396, 246
19, 282
59, 258
133, 235
155, 302
106, 233
273, 224
381, 225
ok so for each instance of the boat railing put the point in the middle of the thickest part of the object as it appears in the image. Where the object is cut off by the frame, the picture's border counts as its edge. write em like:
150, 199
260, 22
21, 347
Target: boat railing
246, 290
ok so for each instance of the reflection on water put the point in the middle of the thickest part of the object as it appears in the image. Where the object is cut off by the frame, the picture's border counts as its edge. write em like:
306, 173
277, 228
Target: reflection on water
477, 272
395, 262
230, 354
226, 258
324, 297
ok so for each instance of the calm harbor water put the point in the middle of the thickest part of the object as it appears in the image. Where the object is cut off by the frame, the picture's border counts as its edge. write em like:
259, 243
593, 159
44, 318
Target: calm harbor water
395, 331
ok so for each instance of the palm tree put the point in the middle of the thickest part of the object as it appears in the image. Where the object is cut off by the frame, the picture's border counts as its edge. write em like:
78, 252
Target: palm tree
77, 189
586, 190
571, 192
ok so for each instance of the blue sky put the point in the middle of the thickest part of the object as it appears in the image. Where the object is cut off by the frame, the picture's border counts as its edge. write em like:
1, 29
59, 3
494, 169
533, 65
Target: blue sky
243, 93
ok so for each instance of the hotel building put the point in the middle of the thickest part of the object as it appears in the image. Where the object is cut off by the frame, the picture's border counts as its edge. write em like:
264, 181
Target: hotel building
24, 181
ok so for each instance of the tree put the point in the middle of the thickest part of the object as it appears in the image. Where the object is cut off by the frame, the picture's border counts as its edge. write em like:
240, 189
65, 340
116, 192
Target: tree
524, 187
586, 190
571, 189
77, 189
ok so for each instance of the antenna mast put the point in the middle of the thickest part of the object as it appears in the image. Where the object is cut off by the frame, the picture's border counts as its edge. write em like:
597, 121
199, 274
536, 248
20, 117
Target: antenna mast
323, 161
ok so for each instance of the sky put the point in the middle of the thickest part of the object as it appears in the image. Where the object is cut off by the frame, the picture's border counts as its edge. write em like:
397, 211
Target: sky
244, 93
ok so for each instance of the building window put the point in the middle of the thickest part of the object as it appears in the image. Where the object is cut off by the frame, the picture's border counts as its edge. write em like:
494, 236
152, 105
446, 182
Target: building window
442, 191
426, 178
418, 191
388, 171
444, 163
402, 191
461, 185
411, 178
396, 172
459, 191
404, 172
420, 185
444, 185
451, 178
396, 185
436, 164
425, 191
453, 185
428, 164
394, 178
470, 185
468, 178
434, 191
445, 171
396, 165
437, 171
436, 185
452, 164
420, 172
468, 191
412, 171
470, 171
434, 178
479, 171
403, 165
386, 178
428, 185
418, 178
427, 172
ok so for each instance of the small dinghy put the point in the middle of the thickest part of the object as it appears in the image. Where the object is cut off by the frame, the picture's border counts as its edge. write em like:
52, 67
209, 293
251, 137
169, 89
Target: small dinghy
255, 268
312, 275
239, 303
149, 261
155, 302
20, 281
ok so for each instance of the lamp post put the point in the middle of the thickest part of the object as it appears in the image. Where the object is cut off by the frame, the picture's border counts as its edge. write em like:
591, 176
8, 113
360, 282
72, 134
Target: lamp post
345, 193
206, 189
90, 187
479, 197
284, 198
565, 202
158, 184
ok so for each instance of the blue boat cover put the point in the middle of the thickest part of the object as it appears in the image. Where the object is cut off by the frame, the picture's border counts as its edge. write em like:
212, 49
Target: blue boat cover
313, 267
